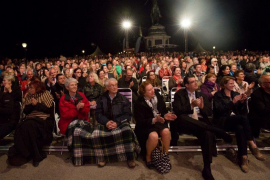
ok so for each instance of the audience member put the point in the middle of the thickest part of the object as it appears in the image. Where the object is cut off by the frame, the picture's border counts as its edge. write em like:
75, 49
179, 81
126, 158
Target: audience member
230, 111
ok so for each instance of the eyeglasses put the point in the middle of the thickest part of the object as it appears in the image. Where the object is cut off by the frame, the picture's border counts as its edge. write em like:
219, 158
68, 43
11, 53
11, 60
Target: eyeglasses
267, 82
78, 72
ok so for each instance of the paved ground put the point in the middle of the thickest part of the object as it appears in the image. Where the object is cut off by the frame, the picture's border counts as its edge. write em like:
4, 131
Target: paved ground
185, 166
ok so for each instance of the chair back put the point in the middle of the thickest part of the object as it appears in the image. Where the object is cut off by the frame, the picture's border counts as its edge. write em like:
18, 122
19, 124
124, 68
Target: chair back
144, 78
165, 84
158, 90
173, 91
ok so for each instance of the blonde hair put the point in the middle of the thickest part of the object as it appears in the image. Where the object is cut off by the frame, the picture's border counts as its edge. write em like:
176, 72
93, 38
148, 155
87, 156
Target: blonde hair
9, 77
94, 76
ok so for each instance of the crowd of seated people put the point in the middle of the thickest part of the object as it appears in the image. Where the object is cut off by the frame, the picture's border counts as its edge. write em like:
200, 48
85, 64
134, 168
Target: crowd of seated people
223, 86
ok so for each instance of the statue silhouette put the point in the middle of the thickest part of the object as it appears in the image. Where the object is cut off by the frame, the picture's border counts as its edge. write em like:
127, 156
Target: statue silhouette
155, 13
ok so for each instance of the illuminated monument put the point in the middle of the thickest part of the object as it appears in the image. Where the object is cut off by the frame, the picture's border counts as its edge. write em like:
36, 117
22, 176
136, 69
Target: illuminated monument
157, 37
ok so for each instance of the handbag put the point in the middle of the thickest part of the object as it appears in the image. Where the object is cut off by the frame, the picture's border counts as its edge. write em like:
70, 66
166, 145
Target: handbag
161, 160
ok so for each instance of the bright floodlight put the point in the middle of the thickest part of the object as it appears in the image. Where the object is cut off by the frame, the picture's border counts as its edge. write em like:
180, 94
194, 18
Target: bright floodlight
126, 24
214, 47
83, 51
186, 23
24, 45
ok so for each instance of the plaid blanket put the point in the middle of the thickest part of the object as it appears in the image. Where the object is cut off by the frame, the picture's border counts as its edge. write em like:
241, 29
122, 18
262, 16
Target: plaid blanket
94, 144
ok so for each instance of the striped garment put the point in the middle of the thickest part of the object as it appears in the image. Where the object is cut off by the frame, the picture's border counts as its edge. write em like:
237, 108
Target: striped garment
96, 144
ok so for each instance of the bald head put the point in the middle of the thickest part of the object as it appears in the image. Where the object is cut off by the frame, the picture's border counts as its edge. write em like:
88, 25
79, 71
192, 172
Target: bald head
264, 82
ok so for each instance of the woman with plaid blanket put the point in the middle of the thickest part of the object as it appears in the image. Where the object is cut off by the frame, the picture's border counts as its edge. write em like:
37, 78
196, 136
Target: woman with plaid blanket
112, 140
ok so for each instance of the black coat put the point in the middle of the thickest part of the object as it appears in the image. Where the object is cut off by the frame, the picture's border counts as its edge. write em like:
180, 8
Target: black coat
117, 110
259, 108
182, 106
6, 107
57, 88
92, 93
143, 115
223, 107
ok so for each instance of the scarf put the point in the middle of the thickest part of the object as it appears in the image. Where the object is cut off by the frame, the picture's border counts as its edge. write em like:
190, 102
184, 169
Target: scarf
210, 84
176, 79
43, 98
152, 103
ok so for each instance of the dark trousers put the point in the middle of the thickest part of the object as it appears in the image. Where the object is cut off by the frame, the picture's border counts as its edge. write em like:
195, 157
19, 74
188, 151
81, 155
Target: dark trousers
204, 132
239, 125
6, 128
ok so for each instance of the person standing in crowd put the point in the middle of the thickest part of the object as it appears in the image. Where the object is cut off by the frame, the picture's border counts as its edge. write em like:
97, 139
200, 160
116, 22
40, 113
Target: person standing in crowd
72, 105
259, 106
151, 121
36, 129
203, 65
230, 112
192, 109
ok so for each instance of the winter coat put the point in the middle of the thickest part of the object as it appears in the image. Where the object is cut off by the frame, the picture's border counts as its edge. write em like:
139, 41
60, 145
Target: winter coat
69, 112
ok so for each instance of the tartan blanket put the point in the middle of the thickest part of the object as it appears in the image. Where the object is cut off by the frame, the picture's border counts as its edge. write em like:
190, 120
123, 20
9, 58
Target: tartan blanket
94, 144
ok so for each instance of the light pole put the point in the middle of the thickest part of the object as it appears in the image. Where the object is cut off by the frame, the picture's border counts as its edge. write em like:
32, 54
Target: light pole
24, 45
185, 25
126, 25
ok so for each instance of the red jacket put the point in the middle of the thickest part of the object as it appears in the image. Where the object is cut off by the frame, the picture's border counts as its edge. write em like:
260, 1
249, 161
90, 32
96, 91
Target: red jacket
69, 112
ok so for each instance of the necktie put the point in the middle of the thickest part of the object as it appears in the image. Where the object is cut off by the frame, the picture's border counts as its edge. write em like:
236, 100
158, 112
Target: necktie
194, 115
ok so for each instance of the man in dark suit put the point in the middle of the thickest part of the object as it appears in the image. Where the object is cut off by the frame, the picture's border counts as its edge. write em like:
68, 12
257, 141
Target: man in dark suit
259, 106
192, 109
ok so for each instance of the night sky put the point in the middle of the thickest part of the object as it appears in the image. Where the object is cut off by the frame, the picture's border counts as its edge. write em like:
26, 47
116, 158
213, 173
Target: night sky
51, 28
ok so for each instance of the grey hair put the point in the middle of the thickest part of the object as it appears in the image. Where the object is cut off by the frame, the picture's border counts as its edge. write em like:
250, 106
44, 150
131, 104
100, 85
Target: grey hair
107, 82
9, 77
213, 59
70, 80
29, 70
250, 67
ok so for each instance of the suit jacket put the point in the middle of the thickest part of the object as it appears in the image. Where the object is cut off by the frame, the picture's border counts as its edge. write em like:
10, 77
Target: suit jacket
182, 106
143, 115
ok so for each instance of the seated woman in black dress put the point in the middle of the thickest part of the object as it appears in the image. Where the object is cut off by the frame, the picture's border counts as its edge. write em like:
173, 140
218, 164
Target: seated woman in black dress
151, 121
35, 130
230, 114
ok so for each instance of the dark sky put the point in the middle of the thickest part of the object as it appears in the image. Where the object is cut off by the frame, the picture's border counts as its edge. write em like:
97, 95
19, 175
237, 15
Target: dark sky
51, 28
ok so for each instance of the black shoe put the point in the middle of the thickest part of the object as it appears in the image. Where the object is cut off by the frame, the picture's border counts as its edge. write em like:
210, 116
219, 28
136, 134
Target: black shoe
35, 164
207, 175
149, 165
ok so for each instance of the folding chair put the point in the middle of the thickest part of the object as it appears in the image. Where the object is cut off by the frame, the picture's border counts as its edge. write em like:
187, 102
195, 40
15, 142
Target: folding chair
158, 90
173, 91
127, 92
165, 84
144, 78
